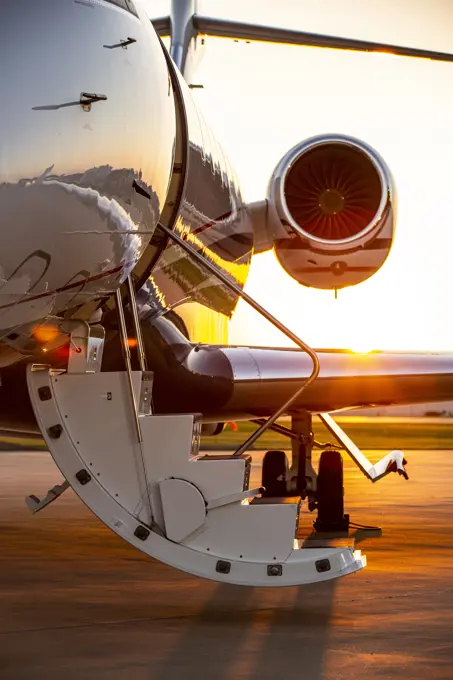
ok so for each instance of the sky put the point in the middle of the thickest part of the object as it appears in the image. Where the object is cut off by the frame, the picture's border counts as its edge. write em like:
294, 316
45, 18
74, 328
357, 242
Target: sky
263, 99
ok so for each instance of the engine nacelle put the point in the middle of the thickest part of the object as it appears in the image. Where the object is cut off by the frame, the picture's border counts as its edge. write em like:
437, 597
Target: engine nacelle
331, 208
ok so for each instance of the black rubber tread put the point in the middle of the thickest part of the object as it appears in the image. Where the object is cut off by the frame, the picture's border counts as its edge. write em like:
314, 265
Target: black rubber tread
330, 492
275, 472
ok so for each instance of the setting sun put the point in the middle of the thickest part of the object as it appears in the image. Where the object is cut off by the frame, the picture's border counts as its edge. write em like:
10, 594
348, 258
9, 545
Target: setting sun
360, 349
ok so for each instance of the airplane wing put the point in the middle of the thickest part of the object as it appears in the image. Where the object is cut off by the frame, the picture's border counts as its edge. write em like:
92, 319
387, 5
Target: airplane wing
245, 382
162, 26
264, 378
237, 30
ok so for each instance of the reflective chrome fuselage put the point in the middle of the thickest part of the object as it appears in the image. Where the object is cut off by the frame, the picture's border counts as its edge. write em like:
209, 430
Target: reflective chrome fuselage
72, 225
211, 215
82, 186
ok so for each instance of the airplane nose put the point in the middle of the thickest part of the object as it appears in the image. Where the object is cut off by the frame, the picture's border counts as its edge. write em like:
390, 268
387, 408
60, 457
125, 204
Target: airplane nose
87, 133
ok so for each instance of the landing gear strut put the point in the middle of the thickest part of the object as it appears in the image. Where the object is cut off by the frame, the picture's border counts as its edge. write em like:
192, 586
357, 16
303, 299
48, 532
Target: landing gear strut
323, 491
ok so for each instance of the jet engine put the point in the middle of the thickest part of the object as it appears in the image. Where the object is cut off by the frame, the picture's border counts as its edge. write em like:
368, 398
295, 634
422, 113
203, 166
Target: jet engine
331, 211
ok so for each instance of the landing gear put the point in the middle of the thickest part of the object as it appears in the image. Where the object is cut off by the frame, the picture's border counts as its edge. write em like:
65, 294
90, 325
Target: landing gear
323, 491
275, 474
330, 494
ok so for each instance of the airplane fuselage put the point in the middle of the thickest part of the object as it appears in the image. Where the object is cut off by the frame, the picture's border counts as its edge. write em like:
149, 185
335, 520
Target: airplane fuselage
84, 180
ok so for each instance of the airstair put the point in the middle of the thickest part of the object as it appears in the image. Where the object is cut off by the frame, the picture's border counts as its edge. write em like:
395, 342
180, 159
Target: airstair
143, 475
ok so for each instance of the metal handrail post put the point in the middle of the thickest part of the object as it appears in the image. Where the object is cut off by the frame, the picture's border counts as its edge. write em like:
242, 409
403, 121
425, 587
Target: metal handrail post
261, 310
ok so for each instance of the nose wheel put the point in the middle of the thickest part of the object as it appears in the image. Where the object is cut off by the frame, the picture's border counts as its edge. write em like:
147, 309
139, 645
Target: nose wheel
324, 490
328, 499
330, 494
275, 473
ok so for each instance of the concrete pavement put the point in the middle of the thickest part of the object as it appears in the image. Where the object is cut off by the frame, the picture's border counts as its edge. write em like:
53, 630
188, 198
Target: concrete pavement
77, 602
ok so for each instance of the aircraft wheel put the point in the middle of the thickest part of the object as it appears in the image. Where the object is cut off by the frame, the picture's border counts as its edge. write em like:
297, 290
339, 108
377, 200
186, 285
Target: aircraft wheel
330, 493
275, 472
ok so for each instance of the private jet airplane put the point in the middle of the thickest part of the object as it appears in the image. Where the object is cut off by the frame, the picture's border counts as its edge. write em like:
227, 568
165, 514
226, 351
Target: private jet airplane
125, 245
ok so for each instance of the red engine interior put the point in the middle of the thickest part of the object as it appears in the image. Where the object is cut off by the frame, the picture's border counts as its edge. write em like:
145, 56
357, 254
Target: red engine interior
333, 191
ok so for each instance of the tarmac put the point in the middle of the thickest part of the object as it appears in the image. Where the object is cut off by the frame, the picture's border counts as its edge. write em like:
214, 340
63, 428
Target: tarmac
78, 602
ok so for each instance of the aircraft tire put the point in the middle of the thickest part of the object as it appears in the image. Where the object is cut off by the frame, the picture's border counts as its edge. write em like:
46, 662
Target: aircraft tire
275, 472
330, 491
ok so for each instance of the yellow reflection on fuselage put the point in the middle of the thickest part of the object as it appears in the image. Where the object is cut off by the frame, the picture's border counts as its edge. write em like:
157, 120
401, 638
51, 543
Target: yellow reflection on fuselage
203, 324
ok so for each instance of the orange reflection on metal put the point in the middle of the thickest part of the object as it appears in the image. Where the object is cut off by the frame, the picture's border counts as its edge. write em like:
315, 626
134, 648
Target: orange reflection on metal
45, 334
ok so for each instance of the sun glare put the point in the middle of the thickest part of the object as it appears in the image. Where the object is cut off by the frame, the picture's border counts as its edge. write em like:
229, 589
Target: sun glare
361, 349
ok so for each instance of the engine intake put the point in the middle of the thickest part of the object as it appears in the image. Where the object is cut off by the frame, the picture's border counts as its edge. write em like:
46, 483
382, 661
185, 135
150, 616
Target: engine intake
332, 200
